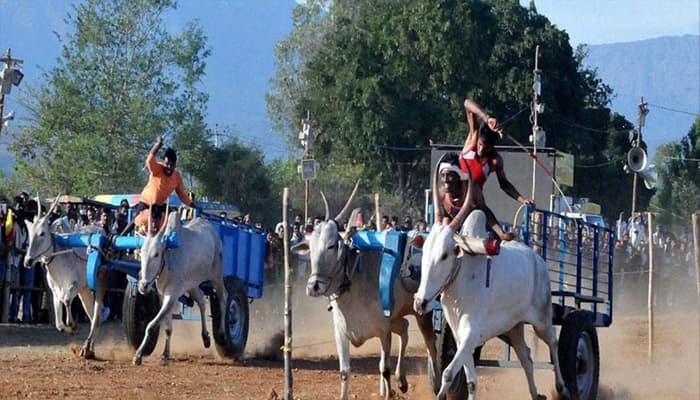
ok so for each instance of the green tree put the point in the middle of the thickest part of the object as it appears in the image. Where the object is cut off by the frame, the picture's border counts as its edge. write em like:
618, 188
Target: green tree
237, 174
383, 78
120, 81
678, 196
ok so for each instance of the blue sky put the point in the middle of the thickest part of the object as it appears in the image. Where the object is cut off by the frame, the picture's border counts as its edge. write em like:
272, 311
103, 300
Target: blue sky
613, 21
243, 33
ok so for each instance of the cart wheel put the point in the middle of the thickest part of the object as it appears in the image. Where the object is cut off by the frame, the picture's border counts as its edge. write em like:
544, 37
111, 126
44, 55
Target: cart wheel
235, 334
578, 355
446, 349
137, 311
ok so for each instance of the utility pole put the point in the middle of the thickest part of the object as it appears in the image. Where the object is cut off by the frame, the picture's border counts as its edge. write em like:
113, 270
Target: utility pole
9, 75
538, 134
307, 136
642, 114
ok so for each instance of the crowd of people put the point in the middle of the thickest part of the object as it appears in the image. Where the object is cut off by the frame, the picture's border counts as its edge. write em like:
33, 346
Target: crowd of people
633, 241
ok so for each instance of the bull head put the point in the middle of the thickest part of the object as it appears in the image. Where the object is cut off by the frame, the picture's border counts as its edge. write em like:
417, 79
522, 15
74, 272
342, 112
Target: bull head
440, 250
153, 252
39, 233
326, 251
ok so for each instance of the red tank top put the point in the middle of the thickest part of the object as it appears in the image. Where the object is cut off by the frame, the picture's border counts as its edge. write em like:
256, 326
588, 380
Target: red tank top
479, 170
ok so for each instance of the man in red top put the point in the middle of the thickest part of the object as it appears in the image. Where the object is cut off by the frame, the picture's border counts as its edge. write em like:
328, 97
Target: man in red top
162, 181
479, 158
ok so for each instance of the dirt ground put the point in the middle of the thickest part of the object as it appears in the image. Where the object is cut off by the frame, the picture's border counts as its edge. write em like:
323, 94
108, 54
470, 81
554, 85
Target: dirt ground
40, 363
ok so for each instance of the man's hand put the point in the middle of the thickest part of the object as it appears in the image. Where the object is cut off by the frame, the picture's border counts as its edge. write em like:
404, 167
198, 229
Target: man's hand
160, 140
528, 202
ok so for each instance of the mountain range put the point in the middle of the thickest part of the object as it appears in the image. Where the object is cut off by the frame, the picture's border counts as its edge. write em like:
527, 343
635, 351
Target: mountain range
664, 71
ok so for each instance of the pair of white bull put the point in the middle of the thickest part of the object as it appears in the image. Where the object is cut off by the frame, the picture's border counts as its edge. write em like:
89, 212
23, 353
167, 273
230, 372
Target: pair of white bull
198, 259
518, 293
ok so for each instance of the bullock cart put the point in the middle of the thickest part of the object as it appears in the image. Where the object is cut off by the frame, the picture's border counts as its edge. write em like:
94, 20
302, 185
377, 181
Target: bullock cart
579, 257
244, 250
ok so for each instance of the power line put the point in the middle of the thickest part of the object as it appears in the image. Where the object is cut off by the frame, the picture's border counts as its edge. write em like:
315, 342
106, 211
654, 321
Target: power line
674, 110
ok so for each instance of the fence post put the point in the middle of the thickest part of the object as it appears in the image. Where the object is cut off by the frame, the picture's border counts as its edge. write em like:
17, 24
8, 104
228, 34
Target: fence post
287, 349
696, 250
650, 297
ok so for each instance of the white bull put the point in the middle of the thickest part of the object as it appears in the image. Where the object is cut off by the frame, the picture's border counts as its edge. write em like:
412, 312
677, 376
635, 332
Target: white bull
356, 305
181, 270
518, 292
66, 275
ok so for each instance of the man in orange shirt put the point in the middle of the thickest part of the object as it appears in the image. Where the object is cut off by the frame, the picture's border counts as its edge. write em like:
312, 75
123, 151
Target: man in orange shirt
162, 181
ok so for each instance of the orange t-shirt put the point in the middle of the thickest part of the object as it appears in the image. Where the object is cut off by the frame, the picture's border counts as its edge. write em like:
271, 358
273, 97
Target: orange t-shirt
160, 185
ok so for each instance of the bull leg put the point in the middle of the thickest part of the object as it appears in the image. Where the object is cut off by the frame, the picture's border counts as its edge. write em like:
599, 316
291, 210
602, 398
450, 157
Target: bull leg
168, 334
517, 340
400, 328
198, 296
546, 332
425, 324
58, 320
342, 344
86, 298
463, 358
168, 303
87, 350
222, 295
385, 365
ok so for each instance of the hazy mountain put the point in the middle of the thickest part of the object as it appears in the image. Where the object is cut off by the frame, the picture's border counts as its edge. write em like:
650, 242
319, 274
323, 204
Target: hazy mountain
665, 71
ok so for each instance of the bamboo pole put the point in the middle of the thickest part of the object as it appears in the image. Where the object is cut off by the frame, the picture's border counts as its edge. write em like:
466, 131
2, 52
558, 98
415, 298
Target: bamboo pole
287, 348
696, 240
650, 297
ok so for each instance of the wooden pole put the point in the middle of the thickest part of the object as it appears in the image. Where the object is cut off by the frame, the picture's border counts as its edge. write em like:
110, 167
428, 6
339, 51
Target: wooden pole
696, 249
650, 297
287, 349
377, 212
306, 201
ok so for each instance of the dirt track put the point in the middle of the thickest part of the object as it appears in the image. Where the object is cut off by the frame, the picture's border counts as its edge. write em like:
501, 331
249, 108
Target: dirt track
38, 362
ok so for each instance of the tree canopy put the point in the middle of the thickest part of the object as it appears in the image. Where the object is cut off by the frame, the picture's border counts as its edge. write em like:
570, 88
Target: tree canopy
382, 79
120, 81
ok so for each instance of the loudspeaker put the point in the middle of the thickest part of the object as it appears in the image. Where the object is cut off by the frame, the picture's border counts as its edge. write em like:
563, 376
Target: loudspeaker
650, 176
637, 159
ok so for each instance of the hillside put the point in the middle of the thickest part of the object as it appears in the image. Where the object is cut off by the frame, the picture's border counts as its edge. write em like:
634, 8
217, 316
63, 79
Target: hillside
665, 70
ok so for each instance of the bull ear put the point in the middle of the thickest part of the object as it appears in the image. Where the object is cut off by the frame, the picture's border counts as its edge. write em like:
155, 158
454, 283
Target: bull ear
418, 241
302, 250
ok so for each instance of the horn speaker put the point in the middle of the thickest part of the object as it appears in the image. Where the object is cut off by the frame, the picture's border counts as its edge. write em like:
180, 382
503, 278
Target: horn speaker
636, 159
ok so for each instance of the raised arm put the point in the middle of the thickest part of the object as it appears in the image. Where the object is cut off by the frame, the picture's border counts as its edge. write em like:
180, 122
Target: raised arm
151, 159
473, 111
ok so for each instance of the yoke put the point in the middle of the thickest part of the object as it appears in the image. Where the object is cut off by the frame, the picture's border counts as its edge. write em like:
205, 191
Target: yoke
392, 245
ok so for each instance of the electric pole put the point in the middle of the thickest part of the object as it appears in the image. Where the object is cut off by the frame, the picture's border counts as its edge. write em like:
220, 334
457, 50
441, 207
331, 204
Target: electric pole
642, 114
307, 136
9, 75
538, 134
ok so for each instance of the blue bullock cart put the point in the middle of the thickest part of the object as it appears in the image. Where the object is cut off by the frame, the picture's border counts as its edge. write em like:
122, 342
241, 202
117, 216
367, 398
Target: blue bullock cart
244, 249
579, 257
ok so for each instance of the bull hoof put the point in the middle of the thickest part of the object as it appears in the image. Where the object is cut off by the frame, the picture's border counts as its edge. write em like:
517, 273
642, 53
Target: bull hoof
206, 340
87, 354
164, 360
403, 384
541, 397
137, 360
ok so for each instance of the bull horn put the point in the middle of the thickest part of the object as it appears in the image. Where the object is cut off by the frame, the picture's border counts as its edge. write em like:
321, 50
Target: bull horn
165, 216
325, 203
345, 212
436, 196
53, 205
148, 227
456, 223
